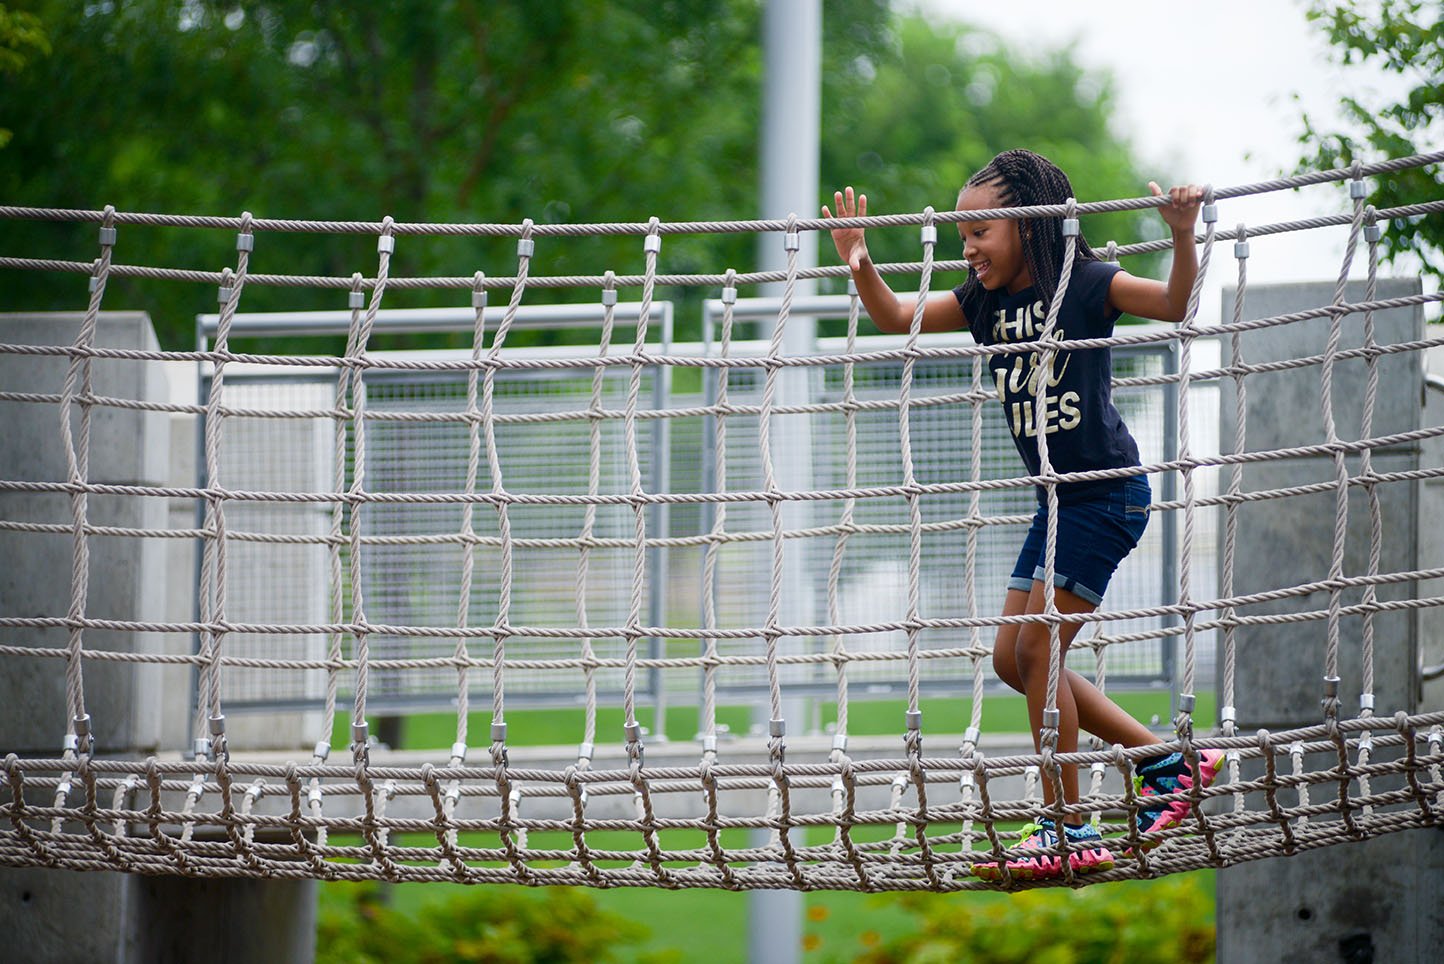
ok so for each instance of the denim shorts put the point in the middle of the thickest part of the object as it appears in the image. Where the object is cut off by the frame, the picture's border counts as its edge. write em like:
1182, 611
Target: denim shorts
1093, 538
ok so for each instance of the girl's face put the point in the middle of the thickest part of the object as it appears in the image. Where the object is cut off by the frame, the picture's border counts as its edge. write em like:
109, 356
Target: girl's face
993, 249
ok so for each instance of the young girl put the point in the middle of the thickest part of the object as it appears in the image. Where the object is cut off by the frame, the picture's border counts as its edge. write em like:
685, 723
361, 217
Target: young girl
1015, 269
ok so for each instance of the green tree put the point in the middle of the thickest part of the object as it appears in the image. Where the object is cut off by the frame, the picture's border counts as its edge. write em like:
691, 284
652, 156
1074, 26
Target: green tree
496, 111
1153, 920
484, 925
594, 110
1403, 37
942, 98
22, 38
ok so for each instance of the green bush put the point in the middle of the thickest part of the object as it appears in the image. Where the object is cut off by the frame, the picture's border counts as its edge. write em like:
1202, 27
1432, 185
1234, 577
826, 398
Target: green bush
485, 925
1160, 920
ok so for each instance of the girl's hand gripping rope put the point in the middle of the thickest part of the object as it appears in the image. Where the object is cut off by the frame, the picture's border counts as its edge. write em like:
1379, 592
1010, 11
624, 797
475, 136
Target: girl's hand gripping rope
1182, 210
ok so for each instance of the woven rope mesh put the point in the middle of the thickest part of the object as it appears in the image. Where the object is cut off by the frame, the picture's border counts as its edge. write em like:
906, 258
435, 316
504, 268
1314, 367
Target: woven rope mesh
639, 529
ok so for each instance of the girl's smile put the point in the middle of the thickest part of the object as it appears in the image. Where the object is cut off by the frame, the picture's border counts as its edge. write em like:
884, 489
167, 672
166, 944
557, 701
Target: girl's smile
993, 249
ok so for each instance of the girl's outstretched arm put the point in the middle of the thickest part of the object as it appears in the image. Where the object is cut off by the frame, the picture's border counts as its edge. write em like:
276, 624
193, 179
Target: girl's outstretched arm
888, 311
1146, 298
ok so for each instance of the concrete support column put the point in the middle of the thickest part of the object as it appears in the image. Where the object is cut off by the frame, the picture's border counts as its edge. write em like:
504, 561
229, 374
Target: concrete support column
50, 915
1355, 900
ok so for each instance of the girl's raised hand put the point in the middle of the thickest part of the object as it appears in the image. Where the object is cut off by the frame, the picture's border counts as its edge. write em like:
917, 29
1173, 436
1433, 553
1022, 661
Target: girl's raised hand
851, 245
1182, 210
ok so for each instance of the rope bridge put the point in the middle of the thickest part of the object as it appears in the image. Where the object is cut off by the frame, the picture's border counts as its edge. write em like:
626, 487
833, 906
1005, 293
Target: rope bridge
842, 813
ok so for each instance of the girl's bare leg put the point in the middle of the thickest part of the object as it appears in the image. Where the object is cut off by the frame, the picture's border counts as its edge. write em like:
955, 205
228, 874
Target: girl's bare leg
1032, 657
1097, 713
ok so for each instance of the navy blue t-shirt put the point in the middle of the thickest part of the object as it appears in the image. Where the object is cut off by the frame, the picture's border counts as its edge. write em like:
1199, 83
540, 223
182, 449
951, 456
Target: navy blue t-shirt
1085, 431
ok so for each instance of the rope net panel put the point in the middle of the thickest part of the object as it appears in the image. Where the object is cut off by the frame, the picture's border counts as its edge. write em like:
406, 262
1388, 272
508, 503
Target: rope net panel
801, 812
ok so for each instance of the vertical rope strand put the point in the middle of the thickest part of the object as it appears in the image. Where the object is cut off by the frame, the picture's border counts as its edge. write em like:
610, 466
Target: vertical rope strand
1331, 437
652, 247
1228, 715
215, 556
589, 519
772, 631
718, 533
1041, 378
501, 627
356, 495
846, 524
1187, 332
77, 469
913, 737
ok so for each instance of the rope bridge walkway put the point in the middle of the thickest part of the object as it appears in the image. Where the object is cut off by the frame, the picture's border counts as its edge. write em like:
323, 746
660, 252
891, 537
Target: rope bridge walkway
910, 818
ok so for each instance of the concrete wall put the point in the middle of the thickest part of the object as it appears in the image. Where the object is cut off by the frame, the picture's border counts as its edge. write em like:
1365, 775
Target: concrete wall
61, 916
1431, 532
1376, 900
126, 576
1285, 542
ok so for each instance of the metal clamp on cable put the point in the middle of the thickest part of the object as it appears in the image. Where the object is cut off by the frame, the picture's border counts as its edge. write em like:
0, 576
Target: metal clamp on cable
636, 751
85, 740
929, 233
361, 741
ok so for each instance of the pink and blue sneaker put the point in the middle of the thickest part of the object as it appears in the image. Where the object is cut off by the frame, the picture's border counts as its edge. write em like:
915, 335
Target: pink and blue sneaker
1091, 856
1171, 774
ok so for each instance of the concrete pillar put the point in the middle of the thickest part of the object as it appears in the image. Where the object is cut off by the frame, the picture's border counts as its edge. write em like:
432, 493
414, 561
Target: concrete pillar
49, 915
1381, 896
127, 579
1431, 537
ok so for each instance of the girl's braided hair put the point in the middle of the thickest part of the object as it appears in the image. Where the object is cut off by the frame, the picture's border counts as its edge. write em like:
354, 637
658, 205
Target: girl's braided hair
1023, 179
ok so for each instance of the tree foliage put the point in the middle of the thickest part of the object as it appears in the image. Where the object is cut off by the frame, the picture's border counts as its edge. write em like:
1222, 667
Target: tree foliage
943, 98
484, 925
1403, 37
22, 39
488, 111
1157, 920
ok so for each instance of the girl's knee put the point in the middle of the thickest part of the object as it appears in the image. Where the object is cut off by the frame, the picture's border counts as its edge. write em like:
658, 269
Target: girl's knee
1030, 655
1005, 664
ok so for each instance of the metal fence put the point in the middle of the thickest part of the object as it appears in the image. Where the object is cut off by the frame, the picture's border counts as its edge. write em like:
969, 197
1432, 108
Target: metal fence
411, 571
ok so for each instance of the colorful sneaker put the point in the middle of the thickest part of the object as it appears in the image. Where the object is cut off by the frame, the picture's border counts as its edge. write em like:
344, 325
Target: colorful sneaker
1047, 866
1089, 859
1171, 774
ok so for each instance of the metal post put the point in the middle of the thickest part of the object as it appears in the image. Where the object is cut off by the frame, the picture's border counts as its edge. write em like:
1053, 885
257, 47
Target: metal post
657, 524
791, 129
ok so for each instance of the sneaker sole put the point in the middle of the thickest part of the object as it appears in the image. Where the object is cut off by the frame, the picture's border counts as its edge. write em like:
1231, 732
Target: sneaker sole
1051, 869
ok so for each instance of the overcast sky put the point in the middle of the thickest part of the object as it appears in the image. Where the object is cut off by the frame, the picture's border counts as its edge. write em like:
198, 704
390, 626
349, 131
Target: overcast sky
1205, 91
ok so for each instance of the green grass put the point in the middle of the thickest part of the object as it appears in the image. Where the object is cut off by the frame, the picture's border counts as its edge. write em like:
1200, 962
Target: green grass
564, 726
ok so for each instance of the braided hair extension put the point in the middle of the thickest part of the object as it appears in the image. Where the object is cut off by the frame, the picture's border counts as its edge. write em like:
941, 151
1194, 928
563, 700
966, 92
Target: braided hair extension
1022, 179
